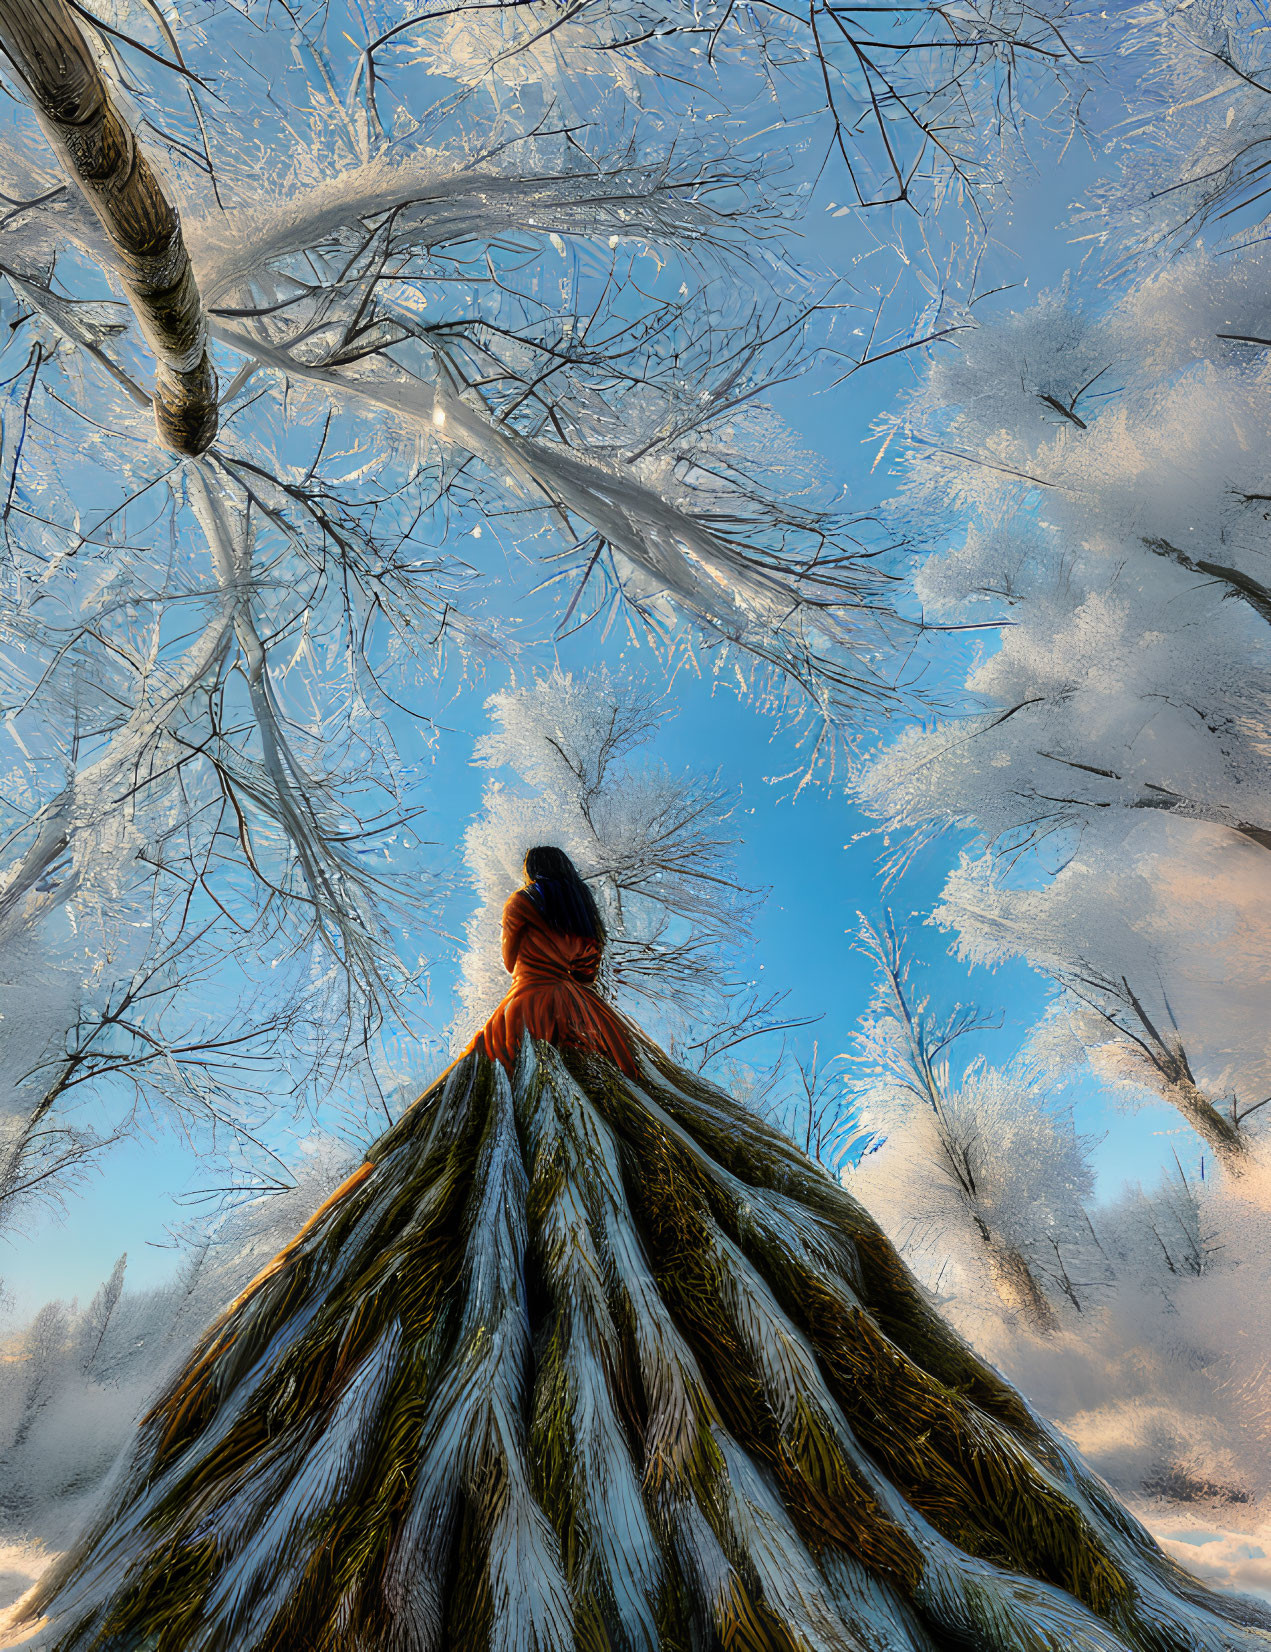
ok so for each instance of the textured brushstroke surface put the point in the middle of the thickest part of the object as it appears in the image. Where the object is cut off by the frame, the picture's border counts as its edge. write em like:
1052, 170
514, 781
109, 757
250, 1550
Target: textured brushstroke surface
588, 1362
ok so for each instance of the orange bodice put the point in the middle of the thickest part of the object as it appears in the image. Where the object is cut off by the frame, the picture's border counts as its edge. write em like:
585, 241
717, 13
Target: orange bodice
552, 995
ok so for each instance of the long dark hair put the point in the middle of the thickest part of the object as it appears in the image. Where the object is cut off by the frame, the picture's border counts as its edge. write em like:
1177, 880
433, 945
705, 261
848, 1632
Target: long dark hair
553, 884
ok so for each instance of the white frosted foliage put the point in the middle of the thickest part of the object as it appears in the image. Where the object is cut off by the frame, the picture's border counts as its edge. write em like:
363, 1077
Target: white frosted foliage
979, 1174
1109, 763
75, 1379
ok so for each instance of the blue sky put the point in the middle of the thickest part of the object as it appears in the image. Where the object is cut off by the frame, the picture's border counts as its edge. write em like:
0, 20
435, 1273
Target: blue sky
810, 852
820, 874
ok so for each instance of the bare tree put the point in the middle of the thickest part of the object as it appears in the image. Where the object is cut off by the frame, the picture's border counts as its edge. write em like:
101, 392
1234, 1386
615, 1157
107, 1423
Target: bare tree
984, 1160
904, 101
1152, 1051
822, 1114
1141, 992
434, 316
1104, 468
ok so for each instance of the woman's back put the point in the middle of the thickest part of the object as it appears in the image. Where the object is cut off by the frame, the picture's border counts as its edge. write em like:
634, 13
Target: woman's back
552, 995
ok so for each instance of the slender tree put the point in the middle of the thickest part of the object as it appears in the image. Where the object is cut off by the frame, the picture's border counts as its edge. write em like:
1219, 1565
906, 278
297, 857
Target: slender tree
217, 667
984, 1168
1144, 1000
655, 846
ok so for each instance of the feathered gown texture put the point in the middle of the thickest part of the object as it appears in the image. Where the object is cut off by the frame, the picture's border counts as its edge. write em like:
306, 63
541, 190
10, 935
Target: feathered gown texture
591, 1359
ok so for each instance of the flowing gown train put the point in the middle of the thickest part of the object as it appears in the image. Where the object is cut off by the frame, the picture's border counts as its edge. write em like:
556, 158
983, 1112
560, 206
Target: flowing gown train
587, 1358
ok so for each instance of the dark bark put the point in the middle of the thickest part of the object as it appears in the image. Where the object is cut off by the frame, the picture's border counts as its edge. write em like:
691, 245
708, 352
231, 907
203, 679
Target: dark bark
95, 144
1016, 1283
1168, 1055
1238, 584
1228, 1143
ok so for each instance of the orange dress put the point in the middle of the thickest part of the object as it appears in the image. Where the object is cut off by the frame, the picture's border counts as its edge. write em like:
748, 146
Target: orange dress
553, 993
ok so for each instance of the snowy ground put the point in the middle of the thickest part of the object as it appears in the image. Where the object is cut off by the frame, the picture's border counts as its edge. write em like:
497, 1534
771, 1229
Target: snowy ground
20, 1565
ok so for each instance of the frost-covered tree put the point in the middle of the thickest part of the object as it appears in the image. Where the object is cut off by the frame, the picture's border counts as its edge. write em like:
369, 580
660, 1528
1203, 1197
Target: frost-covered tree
654, 845
1160, 1378
1195, 81
92, 138
140, 1026
807, 1095
493, 267
430, 314
1160, 939
1110, 766
1158, 1236
74, 1379
817, 1108
977, 1172
903, 103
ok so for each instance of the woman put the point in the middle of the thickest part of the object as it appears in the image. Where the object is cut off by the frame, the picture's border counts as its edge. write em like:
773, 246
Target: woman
553, 938
587, 1357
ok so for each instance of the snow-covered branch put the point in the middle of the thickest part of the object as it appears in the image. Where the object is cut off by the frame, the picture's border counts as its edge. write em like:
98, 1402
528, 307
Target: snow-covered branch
1109, 764
982, 1165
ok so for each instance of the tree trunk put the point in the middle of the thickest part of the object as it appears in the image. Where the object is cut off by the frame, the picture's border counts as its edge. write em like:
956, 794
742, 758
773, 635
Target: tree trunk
97, 147
1178, 1086
1230, 1147
1016, 1284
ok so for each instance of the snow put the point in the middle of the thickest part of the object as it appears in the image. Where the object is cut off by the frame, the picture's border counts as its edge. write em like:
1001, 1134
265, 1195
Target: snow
1090, 483
1088, 478
21, 1564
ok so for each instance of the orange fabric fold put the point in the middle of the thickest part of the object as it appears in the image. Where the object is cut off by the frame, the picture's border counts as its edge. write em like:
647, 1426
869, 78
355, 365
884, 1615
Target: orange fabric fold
552, 995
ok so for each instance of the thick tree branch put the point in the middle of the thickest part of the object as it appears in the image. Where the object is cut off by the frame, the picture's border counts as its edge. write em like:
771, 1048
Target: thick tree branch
92, 139
1238, 584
